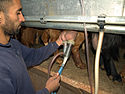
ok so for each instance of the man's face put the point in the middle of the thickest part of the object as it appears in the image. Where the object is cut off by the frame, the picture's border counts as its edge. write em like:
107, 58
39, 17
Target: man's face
13, 18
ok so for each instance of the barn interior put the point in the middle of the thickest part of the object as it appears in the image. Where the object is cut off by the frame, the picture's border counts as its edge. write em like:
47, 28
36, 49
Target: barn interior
79, 15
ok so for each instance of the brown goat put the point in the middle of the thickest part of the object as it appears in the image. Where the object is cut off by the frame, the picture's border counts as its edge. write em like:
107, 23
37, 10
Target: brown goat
30, 36
50, 35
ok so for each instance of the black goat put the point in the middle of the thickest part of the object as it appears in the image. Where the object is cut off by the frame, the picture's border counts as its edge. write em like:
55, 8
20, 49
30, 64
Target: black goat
109, 53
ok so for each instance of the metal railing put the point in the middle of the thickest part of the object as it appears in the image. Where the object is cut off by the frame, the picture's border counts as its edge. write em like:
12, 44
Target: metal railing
112, 24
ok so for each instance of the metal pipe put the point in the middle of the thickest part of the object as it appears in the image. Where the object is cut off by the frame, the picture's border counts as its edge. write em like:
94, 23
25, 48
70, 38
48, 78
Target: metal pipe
76, 26
117, 20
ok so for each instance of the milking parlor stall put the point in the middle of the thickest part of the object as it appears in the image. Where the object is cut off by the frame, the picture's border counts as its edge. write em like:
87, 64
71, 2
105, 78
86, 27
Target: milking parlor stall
82, 70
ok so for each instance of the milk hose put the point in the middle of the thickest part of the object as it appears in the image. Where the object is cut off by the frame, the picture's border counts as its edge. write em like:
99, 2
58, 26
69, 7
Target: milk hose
66, 53
97, 58
87, 47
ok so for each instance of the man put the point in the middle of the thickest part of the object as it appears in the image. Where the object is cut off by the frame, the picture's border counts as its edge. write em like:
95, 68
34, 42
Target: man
15, 57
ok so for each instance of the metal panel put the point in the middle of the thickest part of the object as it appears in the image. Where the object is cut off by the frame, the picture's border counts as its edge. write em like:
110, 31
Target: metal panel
72, 7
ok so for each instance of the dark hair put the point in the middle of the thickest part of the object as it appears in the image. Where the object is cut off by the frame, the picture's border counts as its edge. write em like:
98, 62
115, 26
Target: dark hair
4, 4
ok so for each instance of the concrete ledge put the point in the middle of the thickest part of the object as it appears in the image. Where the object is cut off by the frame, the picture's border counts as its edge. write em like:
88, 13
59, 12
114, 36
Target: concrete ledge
67, 82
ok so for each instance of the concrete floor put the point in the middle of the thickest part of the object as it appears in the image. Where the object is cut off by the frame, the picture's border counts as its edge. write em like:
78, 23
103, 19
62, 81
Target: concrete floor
78, 78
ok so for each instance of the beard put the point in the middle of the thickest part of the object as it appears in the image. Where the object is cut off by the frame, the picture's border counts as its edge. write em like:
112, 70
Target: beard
9, 27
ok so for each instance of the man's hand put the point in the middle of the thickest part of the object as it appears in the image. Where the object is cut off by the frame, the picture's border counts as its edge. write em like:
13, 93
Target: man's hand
66, 35
53, 83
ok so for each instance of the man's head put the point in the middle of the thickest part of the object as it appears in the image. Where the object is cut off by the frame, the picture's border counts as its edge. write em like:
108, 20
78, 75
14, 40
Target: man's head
10, 16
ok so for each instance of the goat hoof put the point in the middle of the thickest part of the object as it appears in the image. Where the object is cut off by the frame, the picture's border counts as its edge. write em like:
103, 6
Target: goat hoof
59, 61
123, 76
117, 78
81, 66
110, 77
102, 67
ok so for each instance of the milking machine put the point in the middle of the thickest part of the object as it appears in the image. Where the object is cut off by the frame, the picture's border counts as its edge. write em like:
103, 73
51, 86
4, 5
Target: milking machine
66, 53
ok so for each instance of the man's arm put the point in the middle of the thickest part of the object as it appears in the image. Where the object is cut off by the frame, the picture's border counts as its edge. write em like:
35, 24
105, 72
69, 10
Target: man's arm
34, 56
